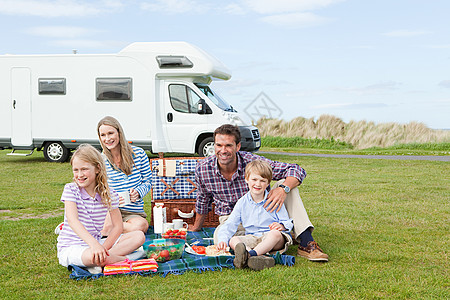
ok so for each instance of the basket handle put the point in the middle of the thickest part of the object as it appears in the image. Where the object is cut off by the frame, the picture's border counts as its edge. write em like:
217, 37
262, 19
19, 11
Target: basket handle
185, 215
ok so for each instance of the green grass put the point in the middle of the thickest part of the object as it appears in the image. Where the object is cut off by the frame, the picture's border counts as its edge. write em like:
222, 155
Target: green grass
304, 145
300, 142
384, 223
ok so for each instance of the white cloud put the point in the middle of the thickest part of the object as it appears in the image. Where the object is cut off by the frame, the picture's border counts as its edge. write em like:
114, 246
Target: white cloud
66, 32
445, 84
51, 8
295, 20
175, 6
406, 33
284, 6
382, 87
234, 9
350, 105
438, 46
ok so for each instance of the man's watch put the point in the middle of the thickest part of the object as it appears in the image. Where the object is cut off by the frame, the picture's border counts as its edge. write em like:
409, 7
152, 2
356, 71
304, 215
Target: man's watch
285, 188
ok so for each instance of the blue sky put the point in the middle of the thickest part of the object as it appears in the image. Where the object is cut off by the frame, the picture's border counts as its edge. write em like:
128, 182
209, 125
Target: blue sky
381, 61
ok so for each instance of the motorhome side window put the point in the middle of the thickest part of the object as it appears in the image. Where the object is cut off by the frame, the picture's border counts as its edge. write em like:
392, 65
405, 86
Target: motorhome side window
113, 89
52, 86
183, 98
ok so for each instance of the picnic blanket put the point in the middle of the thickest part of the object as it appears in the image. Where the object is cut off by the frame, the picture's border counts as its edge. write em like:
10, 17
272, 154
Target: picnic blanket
188, 262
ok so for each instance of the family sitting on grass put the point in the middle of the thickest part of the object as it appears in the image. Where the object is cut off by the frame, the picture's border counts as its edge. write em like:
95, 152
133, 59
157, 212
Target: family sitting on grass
100, 229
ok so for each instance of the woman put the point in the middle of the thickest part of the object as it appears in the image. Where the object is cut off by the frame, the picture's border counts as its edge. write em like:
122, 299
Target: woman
128, 170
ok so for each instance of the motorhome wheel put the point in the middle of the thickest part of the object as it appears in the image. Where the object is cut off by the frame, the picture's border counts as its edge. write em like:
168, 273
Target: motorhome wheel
55, 152
206, 147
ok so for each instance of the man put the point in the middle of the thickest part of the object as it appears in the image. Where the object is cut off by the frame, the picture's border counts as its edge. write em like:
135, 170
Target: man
221, 180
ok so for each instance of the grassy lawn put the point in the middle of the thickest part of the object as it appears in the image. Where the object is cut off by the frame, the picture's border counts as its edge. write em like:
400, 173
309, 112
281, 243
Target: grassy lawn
384, 223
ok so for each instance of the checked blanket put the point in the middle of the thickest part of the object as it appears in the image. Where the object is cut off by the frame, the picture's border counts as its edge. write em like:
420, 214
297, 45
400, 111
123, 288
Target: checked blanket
188, 262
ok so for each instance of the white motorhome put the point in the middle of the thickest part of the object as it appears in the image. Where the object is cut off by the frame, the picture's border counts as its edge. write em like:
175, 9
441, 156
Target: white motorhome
158, 91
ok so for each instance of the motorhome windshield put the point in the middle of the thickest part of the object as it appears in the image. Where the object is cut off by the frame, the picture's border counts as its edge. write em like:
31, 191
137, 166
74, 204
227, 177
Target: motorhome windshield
222, 104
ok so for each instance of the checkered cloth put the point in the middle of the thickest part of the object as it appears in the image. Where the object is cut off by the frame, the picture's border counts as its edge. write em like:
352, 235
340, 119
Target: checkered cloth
182, 186
188, 262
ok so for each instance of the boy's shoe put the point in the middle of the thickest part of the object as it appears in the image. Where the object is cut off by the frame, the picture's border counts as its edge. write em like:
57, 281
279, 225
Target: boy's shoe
94, 270
260, 262
59, 228
312, 252
240, 256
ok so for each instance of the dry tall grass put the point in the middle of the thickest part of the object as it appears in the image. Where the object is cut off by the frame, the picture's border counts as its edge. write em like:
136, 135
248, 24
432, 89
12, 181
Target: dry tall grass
361, 134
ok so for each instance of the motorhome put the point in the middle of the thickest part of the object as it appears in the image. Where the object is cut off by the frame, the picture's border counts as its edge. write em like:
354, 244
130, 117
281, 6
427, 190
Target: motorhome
160, 93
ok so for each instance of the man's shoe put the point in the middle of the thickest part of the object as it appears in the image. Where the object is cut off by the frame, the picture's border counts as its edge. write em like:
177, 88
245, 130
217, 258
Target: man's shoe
240, 256
260, 262
312, 252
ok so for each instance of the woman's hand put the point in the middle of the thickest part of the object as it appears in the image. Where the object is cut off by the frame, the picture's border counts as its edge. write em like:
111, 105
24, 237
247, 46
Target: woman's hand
134, 195
121, 201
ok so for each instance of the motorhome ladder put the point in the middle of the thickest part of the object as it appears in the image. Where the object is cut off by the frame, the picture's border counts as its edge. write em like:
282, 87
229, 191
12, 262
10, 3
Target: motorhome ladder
20, 154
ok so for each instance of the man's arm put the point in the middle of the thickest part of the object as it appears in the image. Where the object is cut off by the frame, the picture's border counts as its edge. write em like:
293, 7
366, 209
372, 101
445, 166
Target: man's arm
202, 204
198, 224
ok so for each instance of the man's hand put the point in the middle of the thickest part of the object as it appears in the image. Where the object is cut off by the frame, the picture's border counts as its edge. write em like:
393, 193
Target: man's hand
191, 227
275, 200
199, 220
276, 197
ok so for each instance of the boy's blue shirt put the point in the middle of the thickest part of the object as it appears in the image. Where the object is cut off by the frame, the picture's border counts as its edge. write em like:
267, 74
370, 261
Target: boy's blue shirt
254, 217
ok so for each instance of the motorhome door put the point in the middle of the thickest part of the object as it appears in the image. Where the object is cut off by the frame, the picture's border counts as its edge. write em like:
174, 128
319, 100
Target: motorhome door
21, 107
183, 123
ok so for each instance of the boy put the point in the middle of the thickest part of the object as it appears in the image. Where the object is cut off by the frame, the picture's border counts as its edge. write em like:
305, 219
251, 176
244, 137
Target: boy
265, 231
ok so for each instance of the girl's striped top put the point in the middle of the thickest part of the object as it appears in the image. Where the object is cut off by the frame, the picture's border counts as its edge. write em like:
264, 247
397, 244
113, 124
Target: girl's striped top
91, 213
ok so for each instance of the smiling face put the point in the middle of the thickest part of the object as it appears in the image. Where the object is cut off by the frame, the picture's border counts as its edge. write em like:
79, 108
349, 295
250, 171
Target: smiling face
257, 186
84, 174
226, 148
109, 137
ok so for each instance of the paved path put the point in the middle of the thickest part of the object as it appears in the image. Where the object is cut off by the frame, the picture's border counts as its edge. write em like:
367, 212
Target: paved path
396, 157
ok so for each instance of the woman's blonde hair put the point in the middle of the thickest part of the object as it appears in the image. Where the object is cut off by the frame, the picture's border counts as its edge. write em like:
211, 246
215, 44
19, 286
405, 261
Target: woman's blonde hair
89, 154
126, 152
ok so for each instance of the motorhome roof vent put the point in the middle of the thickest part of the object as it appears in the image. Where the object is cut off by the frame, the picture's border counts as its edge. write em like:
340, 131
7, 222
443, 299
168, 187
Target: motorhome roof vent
170, 61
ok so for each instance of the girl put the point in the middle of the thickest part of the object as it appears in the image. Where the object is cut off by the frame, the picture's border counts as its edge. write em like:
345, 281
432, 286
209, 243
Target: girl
86, 202
128, 171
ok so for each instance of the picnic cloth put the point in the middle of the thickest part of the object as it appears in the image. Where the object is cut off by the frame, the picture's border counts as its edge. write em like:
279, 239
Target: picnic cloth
188, 262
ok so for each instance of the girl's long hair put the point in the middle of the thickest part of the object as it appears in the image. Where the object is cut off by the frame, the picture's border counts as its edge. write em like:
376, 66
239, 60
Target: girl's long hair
126, 152
89, 154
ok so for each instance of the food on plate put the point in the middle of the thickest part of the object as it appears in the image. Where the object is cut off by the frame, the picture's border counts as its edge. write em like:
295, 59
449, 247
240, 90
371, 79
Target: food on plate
199, 249
213, 251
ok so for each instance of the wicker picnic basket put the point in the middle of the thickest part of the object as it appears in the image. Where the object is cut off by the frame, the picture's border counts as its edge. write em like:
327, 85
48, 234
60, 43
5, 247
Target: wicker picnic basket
173, 183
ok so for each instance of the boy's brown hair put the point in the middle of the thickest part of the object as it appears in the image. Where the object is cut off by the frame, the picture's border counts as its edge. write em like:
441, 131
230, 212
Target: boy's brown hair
260, 167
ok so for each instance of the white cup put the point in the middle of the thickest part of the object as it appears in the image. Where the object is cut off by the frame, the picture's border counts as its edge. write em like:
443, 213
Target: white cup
179, 223
168, 226
126, 197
